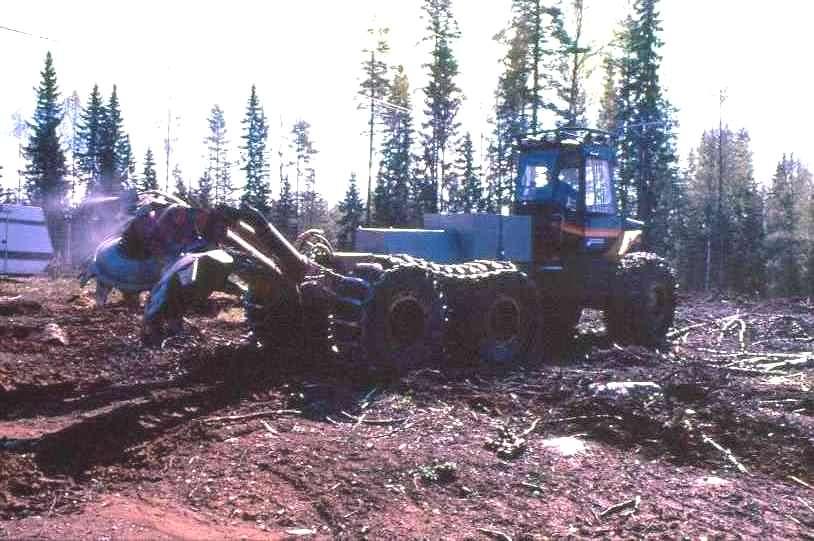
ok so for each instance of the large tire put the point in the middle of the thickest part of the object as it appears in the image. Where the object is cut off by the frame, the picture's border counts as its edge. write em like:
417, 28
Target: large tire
504, 318
642, 304
390, 321
276, 321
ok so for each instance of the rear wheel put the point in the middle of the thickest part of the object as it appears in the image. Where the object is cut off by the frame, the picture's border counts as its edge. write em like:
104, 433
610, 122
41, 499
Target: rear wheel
642, 304
504, 318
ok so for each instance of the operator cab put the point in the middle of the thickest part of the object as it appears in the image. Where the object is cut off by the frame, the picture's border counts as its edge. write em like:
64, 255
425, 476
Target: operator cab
565, 183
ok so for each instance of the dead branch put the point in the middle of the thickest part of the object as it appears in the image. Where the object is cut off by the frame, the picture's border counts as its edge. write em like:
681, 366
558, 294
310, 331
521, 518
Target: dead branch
532, 486
248, 416
583, 418
530, 429
684, 330
802, 362
381, 422
494, 534
800, 482
270, 428
632, 503
726, 452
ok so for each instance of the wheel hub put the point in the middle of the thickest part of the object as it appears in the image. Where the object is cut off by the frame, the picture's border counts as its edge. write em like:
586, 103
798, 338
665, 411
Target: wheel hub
504, 319
406, 320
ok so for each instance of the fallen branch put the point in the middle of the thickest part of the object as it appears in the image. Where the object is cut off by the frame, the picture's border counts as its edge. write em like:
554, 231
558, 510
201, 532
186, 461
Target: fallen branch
494, 534
530, 429
741, 332
270, 428
256, 415
726, 452
800, 482
381, 422
583, 418
684, 330
632, 503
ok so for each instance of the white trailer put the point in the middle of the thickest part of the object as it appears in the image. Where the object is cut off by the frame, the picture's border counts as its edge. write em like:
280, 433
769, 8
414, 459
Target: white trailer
25, 245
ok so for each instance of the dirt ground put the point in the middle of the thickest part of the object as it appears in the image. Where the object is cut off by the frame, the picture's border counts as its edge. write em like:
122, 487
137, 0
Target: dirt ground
208, 437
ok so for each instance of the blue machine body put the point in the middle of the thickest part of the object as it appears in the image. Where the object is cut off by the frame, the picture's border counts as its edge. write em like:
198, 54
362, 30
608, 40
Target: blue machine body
454, 238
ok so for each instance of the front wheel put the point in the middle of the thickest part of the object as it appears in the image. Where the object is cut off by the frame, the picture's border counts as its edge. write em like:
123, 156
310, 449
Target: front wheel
642, 304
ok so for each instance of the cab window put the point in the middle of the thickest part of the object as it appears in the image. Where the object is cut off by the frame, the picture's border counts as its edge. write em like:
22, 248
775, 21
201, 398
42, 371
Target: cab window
598, 186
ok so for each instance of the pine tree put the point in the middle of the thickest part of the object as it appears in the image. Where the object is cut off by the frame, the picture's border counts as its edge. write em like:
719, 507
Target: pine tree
90, 136
45, 171
218, 157
352, 212
257, 192
442, 99
393, 202
149, 177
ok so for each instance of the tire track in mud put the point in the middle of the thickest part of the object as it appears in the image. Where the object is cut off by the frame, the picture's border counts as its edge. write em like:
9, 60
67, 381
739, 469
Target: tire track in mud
105, 426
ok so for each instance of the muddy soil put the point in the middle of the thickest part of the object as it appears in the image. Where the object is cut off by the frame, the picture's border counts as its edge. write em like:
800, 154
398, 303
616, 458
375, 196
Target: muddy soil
209, 437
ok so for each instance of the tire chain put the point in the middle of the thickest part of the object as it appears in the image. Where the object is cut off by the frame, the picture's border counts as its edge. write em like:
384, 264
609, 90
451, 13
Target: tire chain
455, 284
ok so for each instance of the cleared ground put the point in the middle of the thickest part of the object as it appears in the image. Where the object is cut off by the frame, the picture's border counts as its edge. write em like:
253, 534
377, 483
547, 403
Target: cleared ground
207, 437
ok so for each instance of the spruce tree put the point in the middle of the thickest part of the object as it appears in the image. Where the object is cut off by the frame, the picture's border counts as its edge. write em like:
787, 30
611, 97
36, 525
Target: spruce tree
609, 100
740, 227
181, 191
45, 170
442, 100
90, 137
574, 68
470, 192
790, 191
217, 146
149, 177
351, 211
303, 148
69, 134
115, 154
509, 121
257, 192
203, 195
393, 201
647, 143
540, 30
284, 210
373, 89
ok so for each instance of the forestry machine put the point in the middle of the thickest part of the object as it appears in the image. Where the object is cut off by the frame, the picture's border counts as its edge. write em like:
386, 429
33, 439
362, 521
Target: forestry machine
469, 287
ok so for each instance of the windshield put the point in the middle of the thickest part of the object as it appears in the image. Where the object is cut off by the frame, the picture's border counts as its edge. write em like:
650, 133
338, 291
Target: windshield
533, 176
598, 186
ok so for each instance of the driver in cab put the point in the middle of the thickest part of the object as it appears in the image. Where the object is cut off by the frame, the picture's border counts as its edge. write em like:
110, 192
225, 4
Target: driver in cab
560, 189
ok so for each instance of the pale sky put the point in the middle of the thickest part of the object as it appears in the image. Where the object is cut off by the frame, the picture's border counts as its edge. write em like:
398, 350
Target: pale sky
304, 56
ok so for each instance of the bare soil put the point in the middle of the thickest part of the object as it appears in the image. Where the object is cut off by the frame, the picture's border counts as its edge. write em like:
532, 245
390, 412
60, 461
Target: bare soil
208, 437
